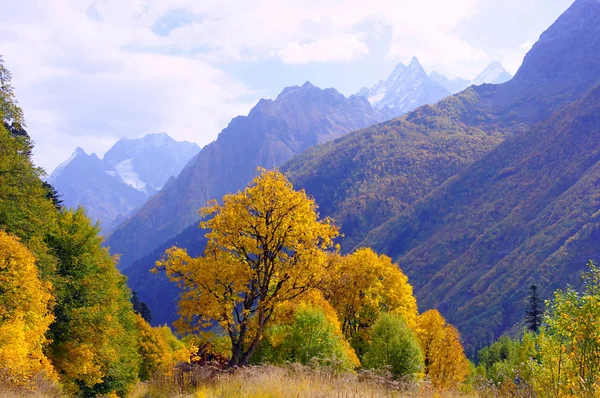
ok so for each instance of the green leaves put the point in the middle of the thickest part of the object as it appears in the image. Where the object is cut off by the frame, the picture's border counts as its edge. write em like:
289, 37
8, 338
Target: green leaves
393, 344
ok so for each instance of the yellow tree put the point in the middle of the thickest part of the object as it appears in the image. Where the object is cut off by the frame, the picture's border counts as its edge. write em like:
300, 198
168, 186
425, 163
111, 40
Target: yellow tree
445, 360
25, 315
362, 285
266, 245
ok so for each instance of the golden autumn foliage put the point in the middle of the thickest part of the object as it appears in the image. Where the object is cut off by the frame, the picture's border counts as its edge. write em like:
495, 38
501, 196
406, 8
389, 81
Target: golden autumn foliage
153, 349
445, 362
159, 349
25, 314
266, 245
362, 285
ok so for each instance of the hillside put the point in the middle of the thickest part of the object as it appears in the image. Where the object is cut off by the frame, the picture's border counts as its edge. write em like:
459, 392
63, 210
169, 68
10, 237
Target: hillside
273, 132
364, 178
526, 213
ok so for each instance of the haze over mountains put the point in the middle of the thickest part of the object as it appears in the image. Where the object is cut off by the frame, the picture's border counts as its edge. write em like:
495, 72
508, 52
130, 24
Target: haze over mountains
129, 173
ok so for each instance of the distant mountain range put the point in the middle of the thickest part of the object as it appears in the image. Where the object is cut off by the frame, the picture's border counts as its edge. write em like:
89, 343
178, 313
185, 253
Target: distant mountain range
409, 87
129, 173
272, 133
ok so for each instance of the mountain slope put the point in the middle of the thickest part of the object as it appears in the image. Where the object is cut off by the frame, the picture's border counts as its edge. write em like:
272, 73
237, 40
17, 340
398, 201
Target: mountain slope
526, 213
366, 177
272, 133
407, 88
130, 172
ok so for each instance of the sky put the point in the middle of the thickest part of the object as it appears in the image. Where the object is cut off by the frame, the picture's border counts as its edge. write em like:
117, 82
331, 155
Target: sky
88, 72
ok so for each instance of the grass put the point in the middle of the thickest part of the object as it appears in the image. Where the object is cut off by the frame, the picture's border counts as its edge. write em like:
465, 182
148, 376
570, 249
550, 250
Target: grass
283, 381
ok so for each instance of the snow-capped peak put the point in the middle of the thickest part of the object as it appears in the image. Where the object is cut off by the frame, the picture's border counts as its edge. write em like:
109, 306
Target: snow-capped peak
61, 167
493, 74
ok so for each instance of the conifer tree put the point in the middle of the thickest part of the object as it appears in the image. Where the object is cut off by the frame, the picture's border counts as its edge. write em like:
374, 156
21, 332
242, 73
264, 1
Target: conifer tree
534, 311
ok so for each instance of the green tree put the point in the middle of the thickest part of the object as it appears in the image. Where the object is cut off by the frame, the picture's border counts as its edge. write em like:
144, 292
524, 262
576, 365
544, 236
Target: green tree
534, 312
393, 344
311, 334
94, 336
141, 308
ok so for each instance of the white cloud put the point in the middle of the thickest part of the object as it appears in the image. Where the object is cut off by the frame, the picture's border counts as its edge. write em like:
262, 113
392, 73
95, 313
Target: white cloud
80, 85
339, 49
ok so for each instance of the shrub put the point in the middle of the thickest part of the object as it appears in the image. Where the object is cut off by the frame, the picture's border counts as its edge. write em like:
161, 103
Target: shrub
393, 344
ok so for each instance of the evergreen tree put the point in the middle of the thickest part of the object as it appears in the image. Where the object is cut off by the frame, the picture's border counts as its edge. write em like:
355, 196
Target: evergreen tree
534, 311
139, 307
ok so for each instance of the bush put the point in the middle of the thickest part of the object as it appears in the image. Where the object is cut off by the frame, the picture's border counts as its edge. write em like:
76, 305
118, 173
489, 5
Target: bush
311, 335
393, 344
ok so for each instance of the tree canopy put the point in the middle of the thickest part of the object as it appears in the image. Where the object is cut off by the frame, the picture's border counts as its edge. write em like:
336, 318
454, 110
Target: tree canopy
266, 245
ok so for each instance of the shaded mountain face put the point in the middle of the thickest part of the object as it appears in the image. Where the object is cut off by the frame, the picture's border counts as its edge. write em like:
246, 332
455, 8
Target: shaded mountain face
271, 134
379, 182
407, 88
130, 172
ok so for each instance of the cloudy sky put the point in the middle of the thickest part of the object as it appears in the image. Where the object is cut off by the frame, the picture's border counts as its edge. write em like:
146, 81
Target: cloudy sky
88, 72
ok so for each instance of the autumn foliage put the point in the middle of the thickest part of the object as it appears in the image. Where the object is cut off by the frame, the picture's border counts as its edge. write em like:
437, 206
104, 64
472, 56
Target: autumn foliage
266, 245
25, 314
445, 362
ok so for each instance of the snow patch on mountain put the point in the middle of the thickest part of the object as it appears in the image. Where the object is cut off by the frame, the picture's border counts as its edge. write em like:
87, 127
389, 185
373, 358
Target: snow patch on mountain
129, 176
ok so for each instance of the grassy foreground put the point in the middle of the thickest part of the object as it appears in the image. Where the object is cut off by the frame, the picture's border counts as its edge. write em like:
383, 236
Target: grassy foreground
283, 381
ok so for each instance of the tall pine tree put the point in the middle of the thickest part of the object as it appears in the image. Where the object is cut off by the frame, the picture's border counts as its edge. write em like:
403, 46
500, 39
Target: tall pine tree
534, 312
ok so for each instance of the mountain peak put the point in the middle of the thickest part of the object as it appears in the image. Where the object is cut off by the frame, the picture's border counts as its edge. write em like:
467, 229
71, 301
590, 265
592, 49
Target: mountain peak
493, 74
398, 70
295, 91
414, 63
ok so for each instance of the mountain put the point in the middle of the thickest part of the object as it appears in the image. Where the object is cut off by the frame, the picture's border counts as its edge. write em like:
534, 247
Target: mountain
453, 86
493, 74
526, 213
407, 88
130, 172
273, 132
407, 186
